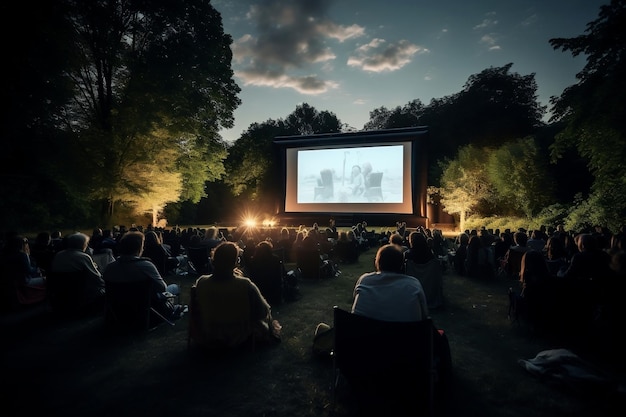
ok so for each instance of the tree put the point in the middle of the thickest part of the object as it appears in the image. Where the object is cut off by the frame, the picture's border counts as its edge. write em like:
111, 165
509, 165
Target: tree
593, 110
464, 182
518, 173
306, 120
405, 116
153, 77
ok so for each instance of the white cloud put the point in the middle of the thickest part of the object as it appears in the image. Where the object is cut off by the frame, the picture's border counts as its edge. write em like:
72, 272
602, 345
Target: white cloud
488, 22
309, 84
490, 41
379, 56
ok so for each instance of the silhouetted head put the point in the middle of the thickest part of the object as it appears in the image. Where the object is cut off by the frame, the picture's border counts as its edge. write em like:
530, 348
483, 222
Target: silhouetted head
389, 258
225, 257
131, 244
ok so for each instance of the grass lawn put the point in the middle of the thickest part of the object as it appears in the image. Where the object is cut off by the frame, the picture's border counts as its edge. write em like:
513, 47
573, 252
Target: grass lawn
70, 368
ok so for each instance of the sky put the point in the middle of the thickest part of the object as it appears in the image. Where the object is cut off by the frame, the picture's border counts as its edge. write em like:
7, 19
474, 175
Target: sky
350, 57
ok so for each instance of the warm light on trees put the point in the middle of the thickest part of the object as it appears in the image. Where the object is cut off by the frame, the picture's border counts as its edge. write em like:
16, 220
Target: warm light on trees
464, 182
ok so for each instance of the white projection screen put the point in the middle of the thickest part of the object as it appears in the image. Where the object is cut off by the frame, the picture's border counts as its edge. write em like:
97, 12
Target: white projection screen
373, 172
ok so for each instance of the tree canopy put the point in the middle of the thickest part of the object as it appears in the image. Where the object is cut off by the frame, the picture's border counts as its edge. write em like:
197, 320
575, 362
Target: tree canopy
139, 79
593, 110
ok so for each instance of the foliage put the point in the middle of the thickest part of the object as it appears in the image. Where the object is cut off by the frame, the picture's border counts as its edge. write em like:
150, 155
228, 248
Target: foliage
464, 182
102, 87
593, 111
518, 172
405, 116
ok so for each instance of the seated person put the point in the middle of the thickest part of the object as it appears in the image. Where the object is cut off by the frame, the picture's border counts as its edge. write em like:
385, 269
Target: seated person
267, 271
131, 267
24, 284
160, 254
357, 181
228, 307
75, 259
346, 249
390, 295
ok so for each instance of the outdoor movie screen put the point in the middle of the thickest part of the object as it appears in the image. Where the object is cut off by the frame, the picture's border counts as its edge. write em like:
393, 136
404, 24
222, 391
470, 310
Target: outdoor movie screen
372, 178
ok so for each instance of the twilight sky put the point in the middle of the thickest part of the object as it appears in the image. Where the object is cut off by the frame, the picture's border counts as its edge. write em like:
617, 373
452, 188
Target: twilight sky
350, 57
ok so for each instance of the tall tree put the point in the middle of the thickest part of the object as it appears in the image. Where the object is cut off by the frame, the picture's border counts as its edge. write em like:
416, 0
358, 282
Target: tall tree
594, 112
154, 76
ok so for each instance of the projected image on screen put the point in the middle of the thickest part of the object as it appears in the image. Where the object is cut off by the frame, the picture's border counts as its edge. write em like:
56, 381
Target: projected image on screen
351, 175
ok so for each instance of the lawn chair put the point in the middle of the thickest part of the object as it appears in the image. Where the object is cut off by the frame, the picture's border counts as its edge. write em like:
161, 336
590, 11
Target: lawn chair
389, 365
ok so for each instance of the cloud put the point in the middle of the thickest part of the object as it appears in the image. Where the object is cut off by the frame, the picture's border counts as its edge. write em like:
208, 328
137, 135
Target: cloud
290, 36
488, 22
379, 56
309, 84
490, 41
530, 20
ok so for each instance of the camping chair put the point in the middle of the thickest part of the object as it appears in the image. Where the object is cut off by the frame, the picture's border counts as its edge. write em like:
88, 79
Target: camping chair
388, 364
128, 307
430, 275
195, 335
374, 190
199, 258
324, 188
309, 262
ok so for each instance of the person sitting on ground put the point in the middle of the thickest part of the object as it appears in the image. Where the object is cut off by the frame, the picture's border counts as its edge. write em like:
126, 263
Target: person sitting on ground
230, 308
131, 267
76, 259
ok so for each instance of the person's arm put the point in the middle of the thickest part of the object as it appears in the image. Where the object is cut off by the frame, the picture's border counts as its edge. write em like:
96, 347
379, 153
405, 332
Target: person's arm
259, 308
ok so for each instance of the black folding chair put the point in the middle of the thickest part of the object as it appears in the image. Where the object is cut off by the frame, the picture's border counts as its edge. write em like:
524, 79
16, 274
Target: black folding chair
128, 307
389, 365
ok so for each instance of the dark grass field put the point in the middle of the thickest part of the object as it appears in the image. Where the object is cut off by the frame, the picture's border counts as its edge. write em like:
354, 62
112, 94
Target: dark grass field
72, 368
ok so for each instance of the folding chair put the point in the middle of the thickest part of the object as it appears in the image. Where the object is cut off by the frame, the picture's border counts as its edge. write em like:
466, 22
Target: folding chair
199, 258
430, 275
310, 263
128, 307
194, 330
389, 365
